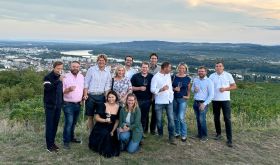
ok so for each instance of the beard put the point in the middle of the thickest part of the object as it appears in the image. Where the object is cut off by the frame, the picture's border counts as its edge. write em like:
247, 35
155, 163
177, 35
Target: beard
74, 72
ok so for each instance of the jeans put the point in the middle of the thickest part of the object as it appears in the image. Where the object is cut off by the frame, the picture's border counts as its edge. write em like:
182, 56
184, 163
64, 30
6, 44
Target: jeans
144, 106
159, 108
179, 109
225, 106
200, 119
52, 119
71, 115
127, 143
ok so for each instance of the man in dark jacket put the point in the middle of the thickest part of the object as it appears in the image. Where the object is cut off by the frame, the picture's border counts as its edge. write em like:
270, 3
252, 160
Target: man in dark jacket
53, 100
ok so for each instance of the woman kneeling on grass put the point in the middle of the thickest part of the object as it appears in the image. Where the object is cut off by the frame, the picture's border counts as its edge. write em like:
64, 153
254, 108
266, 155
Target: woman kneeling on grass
130, 128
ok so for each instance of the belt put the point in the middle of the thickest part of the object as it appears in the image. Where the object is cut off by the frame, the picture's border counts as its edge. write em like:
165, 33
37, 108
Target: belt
96, 93
66, 102
199, 101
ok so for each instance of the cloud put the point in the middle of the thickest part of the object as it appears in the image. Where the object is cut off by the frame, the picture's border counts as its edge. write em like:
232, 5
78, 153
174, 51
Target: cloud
257, 8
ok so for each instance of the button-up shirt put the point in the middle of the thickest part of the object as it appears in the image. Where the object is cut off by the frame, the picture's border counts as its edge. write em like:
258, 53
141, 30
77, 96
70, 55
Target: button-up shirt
221, 81
73, 80
154, 69
129, 73
98, 81
205, 90
159, 81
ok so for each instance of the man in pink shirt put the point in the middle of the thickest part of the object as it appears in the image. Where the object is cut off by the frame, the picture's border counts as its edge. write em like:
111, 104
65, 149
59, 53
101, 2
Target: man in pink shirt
73, 85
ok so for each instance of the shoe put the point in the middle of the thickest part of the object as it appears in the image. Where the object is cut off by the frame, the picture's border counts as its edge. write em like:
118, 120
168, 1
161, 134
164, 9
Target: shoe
66, 146
204, 139
177, 135
75, 140
184, 139
229, 144
52, 149
55, 147
141, 142
172, 141
218, 137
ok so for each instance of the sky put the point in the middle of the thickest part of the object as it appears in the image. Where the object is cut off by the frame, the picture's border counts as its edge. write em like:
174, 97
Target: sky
233, 21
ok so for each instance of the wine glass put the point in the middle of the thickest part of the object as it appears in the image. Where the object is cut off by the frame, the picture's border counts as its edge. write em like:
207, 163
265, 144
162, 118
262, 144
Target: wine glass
180, 84
145, 82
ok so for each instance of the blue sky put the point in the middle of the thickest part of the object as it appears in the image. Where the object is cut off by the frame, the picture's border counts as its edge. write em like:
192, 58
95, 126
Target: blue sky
236, 21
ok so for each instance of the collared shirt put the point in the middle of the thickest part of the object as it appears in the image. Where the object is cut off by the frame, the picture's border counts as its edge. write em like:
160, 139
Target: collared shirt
159, 81
154, 69
97, 80
129, 73
77, 81
206, 89
221, 81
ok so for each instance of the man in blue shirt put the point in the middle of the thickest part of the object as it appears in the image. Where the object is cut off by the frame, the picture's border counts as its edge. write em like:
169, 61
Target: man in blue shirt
203, 94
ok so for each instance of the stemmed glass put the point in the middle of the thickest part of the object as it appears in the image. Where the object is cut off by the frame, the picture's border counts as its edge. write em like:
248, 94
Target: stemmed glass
145, 82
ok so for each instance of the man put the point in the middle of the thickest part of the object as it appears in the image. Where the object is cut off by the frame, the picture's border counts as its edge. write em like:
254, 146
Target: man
154, 68
223, 84
73, 85
141, 83
129, 70
53, 99
161, 87
203, 93
97, 84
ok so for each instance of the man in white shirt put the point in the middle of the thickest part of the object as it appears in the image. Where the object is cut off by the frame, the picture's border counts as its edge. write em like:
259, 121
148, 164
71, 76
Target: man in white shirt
223, 84
128, 67
161, 87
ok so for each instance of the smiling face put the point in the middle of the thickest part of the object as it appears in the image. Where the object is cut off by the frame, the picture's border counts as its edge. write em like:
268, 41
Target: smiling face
101, 63
120, 72
182, 69
144, 68
153, 60
128, 61
58, 69
130, 101
219, 67
111, 98
202, 73
75, 68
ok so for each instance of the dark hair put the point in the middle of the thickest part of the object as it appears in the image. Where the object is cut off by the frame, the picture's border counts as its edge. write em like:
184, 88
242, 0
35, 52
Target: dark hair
153, 54
164, 65
203, 67
75, 62
145, 63
128, 56
112, 93
56, 63
220, 62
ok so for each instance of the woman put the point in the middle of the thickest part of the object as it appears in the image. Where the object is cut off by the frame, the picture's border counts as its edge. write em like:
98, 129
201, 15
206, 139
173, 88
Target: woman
121, 84
181, 86
130, 128
103, 138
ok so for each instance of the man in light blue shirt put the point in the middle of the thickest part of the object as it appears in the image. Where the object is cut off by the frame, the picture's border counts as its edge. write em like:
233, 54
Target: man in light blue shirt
203, 94
97, 83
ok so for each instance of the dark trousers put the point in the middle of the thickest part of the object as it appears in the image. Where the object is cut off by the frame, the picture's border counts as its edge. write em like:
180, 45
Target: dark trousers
153, 123
52, 119
225, 106
144, 106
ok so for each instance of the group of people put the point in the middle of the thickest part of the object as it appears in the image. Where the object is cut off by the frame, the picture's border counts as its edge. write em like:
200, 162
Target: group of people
118, 107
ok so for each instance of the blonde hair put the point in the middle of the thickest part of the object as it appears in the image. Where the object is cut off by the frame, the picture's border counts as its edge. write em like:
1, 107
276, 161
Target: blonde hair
102, 56
119, 67
184, 65
135, 103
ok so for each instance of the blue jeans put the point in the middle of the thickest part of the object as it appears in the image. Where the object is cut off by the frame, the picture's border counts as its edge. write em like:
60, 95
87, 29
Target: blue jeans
159, 108
71, 115
200, 119
127, 143
52, 119
179, 109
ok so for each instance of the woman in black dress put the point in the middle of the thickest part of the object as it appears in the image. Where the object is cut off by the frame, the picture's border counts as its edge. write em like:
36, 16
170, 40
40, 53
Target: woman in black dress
103, 138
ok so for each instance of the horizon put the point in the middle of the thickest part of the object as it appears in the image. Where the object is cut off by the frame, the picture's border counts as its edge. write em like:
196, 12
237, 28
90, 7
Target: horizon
210, 21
